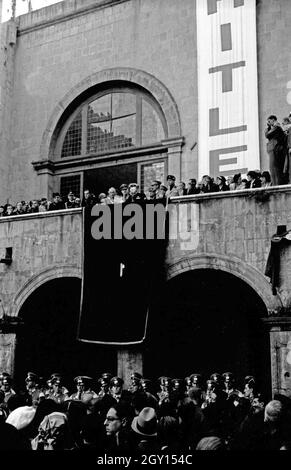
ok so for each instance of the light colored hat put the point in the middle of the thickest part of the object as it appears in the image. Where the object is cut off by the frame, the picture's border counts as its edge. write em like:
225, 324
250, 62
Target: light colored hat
21, 417
145, 423
273, 410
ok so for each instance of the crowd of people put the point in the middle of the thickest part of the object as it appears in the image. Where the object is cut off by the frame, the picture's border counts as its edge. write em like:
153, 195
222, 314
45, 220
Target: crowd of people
131, 193
278, 147
173, 416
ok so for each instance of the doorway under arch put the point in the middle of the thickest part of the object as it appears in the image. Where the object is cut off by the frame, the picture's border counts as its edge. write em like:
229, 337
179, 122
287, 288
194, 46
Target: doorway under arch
47, 342
208, 321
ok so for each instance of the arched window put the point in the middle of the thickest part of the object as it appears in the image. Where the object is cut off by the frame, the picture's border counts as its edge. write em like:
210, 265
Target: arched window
105, 138
112, 121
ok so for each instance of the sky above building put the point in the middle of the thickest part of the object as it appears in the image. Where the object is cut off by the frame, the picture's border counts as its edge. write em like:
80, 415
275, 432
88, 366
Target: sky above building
22, 6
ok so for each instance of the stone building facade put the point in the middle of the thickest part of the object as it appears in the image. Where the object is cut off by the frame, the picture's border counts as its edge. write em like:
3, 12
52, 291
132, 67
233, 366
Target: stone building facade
61, 69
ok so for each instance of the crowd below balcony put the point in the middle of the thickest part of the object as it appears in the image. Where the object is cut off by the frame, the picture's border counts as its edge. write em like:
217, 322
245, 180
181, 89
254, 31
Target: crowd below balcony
131, 193
170, 416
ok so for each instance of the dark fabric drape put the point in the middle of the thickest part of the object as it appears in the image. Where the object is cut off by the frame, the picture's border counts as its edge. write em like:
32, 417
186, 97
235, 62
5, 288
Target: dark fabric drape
272, 269
114, 308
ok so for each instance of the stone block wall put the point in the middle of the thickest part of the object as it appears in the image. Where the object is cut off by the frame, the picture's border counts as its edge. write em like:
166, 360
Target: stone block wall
63, 44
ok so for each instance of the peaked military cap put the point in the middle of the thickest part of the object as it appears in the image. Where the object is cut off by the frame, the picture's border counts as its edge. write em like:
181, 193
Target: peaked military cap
249, 378
82, 379
171, 177
227, 375
210, 382
177, 382
3, 375
106, 376
163, 380
195, 376
56, 375
146, 382
31, 376
188, 380
216, 377
135, 376
116, 381
7, 379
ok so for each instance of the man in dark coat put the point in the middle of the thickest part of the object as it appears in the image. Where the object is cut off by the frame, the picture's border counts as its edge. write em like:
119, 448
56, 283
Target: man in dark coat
277, 149
57, 203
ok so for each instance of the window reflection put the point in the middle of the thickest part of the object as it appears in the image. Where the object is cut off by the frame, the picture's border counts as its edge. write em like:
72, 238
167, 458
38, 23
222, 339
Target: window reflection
115, 121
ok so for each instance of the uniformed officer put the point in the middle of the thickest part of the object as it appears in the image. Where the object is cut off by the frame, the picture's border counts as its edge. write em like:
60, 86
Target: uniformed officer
210, 386
32, 388
104, 382
196, 380
2, 375
84, 392
165, 389
135, 382
59, 393
229, 383
146, 385
116, 384
217, 378
7, 387
250, 387
188, 383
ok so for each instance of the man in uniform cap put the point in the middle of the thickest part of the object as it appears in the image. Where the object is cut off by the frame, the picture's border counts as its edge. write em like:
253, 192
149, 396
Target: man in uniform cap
146, 385
196, 380
216, 377
59, 393
135, 385
116, 384
124, 192
188, 383
172, 189
117, 392
210, 386
2, 375
229, 384
35, 394
7, 387
104, 382
84, 392
165, 388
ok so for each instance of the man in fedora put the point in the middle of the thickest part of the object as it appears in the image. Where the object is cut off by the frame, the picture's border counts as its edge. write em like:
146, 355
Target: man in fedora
145, 428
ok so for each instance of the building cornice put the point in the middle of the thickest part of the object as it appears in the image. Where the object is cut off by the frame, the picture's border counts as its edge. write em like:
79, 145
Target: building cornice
66, 16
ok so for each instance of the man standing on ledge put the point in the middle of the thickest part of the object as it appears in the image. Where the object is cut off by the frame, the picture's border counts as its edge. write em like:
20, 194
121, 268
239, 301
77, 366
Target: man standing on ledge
276, 148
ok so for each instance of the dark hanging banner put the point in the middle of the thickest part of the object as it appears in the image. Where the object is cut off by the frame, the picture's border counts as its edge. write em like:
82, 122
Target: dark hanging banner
121, 276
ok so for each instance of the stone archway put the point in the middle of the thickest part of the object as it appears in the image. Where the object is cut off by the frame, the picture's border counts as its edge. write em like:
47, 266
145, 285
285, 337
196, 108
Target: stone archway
125, 74
48, 341
252, 276
40, 278
208, 320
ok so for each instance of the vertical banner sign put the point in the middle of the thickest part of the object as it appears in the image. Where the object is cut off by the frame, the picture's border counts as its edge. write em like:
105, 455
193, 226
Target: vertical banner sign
227, 87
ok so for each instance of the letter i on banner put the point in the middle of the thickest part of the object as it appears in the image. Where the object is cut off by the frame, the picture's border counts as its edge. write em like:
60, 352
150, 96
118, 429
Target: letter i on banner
228, 135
